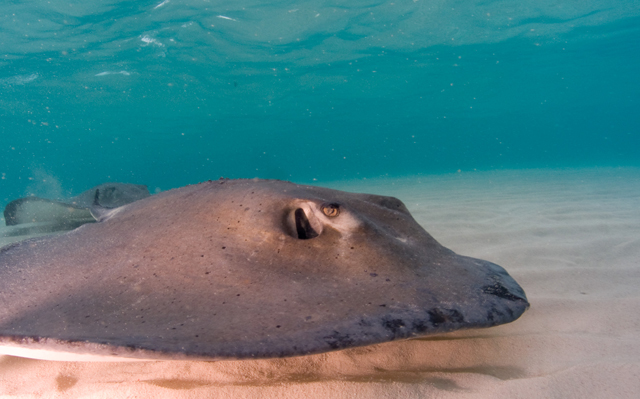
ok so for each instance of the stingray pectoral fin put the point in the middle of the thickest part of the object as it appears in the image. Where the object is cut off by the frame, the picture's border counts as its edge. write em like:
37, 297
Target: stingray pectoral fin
40, 210
27, 229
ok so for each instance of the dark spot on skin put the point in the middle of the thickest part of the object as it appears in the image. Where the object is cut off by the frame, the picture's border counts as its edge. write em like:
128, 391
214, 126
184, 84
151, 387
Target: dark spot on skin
364, 323
420, 326
207, 272
338, 341
224, 247
439, 316
277, 326
500, 291
383, 306
494, 315
373, 274
387, 280
393, 325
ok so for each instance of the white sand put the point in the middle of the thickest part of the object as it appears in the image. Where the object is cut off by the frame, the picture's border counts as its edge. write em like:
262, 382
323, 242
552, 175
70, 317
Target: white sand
571, 238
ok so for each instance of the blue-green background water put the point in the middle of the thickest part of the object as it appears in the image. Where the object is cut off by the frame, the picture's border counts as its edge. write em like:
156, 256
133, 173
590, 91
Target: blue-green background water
176, 92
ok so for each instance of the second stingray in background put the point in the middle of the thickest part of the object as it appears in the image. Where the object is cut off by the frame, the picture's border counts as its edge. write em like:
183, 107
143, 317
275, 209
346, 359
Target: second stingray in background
37, 216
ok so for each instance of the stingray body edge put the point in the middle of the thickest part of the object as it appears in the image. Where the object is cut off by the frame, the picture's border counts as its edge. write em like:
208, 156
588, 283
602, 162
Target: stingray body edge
242, 269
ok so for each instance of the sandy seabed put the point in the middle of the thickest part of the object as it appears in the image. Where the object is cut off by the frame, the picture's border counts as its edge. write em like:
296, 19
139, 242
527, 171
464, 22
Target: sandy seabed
571, 238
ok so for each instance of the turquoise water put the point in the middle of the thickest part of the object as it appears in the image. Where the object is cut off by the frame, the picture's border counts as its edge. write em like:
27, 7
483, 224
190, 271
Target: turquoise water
168, 93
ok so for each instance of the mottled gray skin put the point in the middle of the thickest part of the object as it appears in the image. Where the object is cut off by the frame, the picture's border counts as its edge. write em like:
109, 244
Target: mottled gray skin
219, 270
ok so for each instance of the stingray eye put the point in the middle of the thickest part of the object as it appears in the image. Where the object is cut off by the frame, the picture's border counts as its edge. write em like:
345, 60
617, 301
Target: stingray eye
331, 210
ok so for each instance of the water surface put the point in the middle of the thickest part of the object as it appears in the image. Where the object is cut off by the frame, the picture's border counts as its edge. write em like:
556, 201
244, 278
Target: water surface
167, 93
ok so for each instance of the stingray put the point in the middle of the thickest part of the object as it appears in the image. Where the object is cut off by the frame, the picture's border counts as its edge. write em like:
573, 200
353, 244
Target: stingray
34, 215
242, 269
